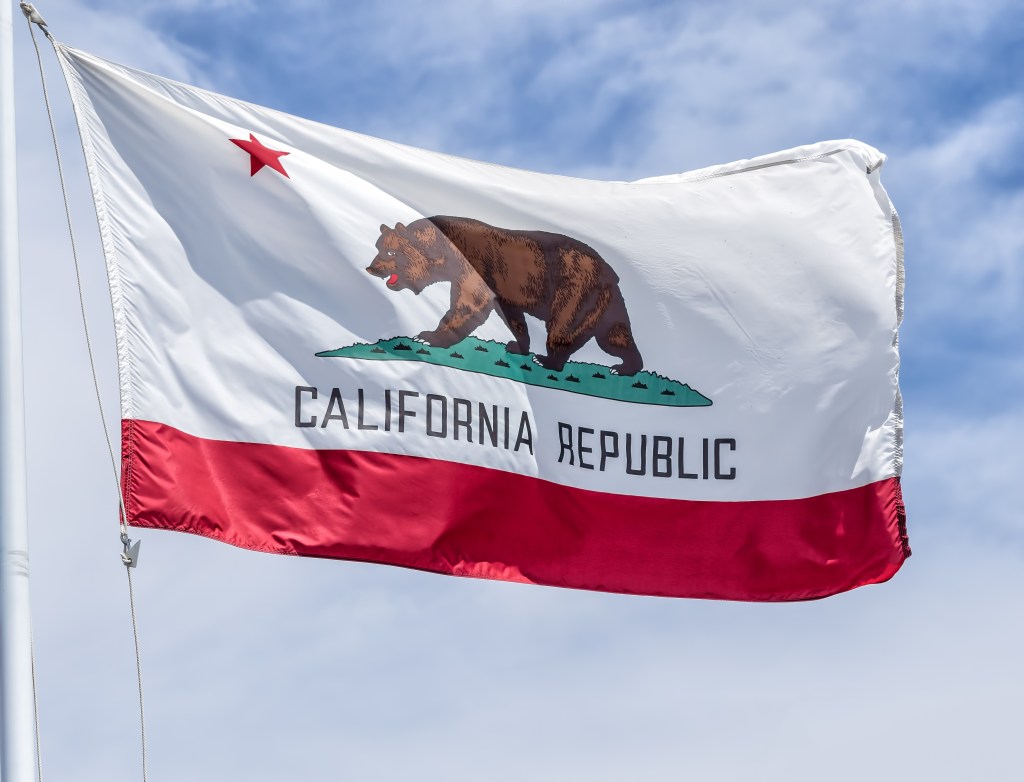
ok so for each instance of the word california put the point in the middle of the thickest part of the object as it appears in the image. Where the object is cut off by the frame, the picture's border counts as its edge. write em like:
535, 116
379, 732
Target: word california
403, 410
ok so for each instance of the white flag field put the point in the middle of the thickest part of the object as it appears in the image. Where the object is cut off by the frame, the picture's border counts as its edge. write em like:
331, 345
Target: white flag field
337, 346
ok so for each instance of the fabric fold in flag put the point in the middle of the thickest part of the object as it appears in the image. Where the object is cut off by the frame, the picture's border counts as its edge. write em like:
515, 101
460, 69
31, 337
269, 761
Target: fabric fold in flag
331, 345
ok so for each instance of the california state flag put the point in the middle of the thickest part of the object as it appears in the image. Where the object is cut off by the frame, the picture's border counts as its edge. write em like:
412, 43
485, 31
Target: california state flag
336, 346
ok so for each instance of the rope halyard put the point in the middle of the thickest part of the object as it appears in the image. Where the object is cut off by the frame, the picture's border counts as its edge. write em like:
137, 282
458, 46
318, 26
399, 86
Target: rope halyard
35, 702
130, 552
138, 668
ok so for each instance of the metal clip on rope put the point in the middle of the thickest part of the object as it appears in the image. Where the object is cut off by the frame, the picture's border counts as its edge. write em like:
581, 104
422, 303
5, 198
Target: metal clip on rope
34, 17
130, 555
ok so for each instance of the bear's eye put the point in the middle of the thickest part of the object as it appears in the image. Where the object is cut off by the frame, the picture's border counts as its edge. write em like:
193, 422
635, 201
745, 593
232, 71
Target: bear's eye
392, 253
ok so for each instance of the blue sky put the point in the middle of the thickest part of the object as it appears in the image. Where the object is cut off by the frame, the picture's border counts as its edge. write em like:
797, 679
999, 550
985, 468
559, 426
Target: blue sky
264, 668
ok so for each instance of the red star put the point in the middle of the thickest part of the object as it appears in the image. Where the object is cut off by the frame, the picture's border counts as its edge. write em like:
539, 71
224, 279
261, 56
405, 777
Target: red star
261, 155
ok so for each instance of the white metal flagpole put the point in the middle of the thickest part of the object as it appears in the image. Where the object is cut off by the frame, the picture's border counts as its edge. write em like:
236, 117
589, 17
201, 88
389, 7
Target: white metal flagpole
17, 706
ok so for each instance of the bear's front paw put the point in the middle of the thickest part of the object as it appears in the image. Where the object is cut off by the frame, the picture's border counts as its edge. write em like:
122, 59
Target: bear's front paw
626, 370
438, 339
553, 363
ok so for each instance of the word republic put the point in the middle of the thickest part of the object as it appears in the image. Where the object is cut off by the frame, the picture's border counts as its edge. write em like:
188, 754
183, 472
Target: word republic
641, 454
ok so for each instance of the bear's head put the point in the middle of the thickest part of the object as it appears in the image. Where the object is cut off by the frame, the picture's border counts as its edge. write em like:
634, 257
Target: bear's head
412, 257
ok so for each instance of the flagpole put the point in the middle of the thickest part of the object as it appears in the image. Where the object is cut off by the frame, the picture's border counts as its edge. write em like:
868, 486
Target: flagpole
17, 707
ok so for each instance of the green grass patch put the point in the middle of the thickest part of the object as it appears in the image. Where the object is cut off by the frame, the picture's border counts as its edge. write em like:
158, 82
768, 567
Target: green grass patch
488, 357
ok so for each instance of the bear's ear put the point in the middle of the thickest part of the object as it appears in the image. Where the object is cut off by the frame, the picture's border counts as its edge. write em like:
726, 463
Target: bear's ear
384, 229
399, 228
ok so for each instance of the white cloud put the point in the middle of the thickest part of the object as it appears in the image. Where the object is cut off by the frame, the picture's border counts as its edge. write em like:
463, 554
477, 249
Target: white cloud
972, 464
967, 215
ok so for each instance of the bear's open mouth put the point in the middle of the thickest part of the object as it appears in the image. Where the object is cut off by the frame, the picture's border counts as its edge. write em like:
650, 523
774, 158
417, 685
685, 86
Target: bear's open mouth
392, 279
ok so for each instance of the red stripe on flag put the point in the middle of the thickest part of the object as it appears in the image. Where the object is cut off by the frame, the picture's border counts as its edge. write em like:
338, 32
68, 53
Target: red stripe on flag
466, 520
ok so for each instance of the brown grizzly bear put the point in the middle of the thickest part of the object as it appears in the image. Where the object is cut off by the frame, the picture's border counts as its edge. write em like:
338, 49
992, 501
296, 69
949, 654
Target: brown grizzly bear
552, 277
